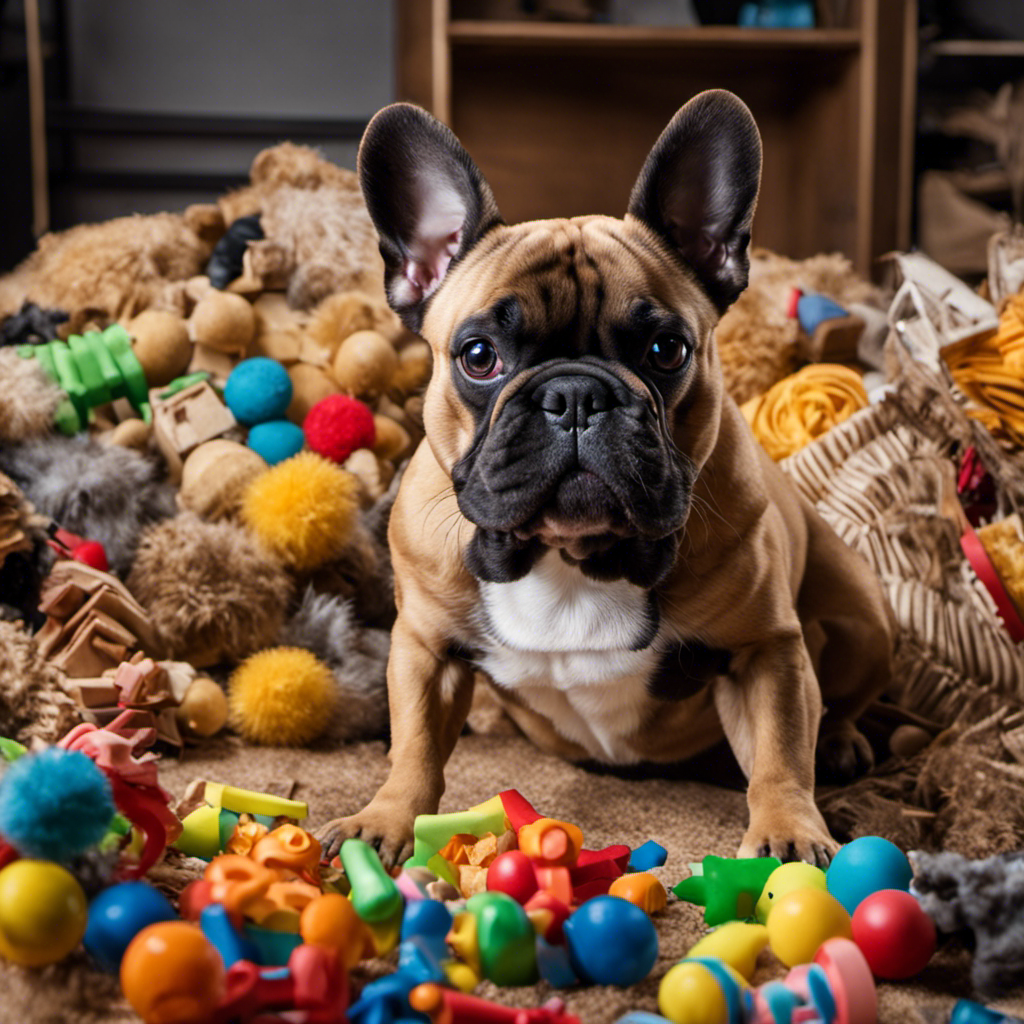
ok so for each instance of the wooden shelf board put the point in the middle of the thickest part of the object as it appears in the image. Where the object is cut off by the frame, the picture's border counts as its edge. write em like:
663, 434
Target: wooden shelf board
978, 47
529, 34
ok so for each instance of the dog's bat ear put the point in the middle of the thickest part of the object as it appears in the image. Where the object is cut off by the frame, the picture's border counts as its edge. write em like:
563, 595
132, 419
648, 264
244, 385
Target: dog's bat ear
427, 198
698, 189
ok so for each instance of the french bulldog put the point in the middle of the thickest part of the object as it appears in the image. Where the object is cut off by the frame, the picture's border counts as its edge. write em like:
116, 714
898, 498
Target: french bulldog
589, 523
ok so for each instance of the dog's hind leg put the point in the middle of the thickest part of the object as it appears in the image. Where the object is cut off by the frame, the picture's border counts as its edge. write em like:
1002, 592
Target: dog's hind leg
849, 629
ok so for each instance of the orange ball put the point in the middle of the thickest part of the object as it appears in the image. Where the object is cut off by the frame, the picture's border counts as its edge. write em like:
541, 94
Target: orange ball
642, 889
331, 922
171, 974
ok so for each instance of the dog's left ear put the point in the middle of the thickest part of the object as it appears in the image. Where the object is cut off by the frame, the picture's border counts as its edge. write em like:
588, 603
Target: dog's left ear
427, 198
698, 189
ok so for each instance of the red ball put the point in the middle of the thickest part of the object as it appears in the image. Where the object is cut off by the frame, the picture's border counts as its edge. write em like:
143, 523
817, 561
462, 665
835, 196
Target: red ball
895, 935
337, 425
512, 873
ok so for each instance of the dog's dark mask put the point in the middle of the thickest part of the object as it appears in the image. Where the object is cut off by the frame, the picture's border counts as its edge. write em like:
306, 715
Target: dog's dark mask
571, 451
575, 409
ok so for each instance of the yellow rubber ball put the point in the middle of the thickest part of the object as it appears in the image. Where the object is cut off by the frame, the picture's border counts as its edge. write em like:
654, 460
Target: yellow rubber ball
801, 920
690, 994
303, 509
43, 913
283, 697
794, 875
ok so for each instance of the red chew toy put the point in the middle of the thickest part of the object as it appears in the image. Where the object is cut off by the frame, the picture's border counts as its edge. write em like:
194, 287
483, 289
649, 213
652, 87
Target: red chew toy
512, 873
337, 425
895, 935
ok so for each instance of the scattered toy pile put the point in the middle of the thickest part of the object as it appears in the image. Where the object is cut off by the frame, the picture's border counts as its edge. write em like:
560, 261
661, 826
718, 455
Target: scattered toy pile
497, 892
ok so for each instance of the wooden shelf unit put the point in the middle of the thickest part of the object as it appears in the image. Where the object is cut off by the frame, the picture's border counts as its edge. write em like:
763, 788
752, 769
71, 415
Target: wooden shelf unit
530, 34
560, 116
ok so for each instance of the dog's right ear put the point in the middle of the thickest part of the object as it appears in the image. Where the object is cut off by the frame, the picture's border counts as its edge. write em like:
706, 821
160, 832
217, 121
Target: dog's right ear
427, 198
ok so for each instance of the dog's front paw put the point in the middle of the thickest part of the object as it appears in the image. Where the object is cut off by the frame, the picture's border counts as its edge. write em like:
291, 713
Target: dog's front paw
843, 753
387, 827
800, 836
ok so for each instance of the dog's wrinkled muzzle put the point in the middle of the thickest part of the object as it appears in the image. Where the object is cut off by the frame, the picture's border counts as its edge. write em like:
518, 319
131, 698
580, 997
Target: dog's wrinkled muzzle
574, 458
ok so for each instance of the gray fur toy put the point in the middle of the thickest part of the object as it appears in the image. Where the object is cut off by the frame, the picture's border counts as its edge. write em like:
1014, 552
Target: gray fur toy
357, 656
100, 492
986, 897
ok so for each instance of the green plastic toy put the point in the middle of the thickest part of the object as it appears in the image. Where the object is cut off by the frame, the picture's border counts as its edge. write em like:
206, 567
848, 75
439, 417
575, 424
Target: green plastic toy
375, 896
11, 750
506, 939
207, 829
180, 383
432, 831
728, 889
93, 369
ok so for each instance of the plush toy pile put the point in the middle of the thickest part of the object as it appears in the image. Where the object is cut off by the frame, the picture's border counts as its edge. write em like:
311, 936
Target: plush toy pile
203, 423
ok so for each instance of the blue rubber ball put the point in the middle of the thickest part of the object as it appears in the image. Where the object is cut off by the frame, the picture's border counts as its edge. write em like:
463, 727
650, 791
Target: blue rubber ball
611, 942
276, 441
54, 805
864, 866
117, 915
258, 390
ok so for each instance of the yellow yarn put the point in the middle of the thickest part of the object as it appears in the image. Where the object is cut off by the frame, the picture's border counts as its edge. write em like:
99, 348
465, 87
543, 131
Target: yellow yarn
284, 696
989, 369
803, 406
1010, 338
303, 509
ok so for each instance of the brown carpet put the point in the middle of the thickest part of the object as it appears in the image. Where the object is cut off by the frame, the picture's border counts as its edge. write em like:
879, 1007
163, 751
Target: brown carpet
690, 819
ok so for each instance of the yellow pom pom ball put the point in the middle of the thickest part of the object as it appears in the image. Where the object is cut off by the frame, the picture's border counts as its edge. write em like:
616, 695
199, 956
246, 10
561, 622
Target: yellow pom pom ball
303, 509
282, 697
801, 920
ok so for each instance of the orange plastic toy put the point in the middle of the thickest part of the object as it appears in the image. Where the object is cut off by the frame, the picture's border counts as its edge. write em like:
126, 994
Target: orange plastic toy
171, 974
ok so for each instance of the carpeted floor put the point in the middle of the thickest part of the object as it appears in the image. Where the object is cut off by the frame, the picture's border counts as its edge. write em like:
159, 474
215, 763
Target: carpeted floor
689, 818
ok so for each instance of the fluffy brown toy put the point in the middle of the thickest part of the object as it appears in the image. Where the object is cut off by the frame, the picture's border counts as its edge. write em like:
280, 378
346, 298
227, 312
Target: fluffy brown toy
345, 313
28, 398
317, 235
284, 165
213, 594
33, 704
109, 271
317, 242
757, 340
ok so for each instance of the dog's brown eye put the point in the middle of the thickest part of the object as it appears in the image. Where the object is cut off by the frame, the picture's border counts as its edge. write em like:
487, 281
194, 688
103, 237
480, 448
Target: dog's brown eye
479, 359
669, 352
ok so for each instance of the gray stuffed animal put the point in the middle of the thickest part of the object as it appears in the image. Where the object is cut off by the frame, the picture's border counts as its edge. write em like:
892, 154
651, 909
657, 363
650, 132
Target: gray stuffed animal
986, 897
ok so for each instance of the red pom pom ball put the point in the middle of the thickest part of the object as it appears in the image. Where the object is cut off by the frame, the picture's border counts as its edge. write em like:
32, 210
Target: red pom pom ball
337, 425
895, 935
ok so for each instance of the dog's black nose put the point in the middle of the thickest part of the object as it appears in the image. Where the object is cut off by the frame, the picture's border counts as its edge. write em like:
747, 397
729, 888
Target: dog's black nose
573, 401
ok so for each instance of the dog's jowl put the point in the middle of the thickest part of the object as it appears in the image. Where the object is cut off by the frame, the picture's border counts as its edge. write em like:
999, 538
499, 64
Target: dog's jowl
589, 523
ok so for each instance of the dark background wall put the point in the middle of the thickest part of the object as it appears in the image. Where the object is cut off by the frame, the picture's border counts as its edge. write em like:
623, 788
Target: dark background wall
154, 104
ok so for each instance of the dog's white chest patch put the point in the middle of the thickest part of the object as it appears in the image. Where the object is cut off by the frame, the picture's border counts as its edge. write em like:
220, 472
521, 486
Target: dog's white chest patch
566, 644
556, 608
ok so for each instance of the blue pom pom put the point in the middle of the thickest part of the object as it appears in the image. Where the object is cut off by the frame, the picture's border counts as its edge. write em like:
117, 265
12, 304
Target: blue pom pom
258, 390
276, 441
54, 804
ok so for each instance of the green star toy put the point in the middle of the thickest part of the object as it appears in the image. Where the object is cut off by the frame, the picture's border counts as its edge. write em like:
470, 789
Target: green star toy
727, 888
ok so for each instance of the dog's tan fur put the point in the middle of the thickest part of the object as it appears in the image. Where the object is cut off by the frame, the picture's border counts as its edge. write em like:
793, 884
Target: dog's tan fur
758, 573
